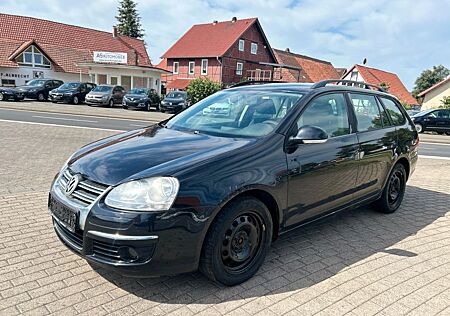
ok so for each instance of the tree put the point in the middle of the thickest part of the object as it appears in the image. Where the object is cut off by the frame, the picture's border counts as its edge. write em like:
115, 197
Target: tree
200, 88
429, 78
129, 19
445, 102
385, 85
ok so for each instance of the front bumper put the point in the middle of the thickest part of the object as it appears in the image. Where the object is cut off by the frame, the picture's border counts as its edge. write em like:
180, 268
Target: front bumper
134, 104
61, 98
137, 244
96, 101
168, 107
13, 96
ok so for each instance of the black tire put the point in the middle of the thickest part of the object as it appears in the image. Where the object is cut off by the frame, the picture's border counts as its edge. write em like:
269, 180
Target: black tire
125, 107
237, 242
162, 111
111, 103
148, 107
393, 192
419, 128
41, 97
76, 100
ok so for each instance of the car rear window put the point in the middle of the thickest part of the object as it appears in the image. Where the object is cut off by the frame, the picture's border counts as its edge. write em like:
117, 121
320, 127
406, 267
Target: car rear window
393, 111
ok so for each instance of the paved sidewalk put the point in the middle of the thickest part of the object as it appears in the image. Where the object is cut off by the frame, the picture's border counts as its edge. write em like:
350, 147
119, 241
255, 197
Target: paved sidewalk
83, 109
357, 263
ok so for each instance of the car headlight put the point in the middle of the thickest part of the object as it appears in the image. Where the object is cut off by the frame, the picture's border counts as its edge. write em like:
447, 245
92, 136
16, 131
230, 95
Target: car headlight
105, 97
150, 194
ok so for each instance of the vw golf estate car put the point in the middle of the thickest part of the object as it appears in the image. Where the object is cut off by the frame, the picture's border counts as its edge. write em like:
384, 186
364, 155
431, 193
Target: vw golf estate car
208, 192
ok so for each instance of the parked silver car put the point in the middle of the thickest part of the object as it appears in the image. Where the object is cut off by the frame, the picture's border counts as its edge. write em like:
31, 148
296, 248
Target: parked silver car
105, 95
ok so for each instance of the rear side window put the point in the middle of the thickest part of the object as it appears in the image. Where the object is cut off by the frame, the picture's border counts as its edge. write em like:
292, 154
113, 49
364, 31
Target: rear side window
394, 112
367, 112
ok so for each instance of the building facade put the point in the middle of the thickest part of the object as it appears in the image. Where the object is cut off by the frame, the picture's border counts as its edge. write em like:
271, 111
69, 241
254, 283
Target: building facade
33, 48
433, 96
226, 52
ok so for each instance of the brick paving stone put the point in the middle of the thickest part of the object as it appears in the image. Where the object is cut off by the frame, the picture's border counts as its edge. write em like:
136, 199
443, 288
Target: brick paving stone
357, 263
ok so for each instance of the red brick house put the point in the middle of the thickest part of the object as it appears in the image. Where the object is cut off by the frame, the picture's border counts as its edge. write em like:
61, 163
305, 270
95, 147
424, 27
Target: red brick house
226, 52
380, 77
301, 68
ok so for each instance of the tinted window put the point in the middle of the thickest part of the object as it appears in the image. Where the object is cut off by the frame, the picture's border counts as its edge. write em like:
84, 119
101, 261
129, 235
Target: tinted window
394, 111
102, 89
441, 114
367, 112
328, 112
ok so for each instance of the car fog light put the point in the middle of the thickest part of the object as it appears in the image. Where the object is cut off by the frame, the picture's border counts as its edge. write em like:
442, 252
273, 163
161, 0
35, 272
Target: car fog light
128, 254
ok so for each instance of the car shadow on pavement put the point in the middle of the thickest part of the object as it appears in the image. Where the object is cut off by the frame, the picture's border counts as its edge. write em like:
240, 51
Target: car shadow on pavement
306, 256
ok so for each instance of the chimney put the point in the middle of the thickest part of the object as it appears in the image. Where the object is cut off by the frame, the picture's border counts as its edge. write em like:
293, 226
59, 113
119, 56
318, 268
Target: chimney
288, 50
234, 19
114, 31
215, 22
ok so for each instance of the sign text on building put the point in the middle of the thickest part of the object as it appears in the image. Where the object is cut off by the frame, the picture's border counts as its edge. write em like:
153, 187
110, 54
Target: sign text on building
110, 57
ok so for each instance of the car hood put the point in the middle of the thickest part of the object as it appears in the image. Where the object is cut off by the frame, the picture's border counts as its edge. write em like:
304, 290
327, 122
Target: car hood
27, 88
154, 151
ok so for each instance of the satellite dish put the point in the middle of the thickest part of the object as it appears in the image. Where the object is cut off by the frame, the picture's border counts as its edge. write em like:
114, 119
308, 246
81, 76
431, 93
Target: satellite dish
365, 61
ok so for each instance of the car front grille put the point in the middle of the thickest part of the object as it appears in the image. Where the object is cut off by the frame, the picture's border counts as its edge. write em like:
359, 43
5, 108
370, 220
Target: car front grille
106, 251
86, 191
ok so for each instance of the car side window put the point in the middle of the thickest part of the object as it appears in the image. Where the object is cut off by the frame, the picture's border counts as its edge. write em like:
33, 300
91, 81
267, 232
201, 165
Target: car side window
394, 112
367, 112
328, 112
443, 114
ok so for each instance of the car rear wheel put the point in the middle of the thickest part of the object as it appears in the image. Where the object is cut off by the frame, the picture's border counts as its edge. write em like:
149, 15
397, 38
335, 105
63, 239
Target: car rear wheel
111, 103
237, 243
40, 97
419, 128
393, 192
75, 100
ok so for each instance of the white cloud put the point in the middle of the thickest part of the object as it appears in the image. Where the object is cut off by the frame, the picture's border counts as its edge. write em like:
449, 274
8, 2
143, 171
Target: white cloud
401, 36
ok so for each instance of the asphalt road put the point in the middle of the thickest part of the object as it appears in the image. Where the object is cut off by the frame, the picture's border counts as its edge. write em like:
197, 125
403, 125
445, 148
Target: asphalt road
427, 147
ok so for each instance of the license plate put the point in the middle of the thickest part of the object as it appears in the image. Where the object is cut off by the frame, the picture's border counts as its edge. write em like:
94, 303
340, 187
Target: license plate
67, 217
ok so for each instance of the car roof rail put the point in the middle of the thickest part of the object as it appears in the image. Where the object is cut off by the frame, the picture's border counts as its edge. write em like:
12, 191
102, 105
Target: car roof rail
352, 83
254, 82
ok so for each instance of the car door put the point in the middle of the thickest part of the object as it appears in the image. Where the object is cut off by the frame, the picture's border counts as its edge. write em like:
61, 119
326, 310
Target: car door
442, 120
83, 91
377, 139
322, 176
48, 86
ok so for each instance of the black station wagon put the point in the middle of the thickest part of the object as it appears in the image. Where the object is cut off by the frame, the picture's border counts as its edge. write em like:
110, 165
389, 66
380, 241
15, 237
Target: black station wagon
208, 192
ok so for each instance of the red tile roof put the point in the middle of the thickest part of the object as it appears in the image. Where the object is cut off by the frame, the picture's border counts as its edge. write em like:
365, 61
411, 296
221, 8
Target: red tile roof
312, 69
67, 45
377, 77
209, 40
178, 84
434, 87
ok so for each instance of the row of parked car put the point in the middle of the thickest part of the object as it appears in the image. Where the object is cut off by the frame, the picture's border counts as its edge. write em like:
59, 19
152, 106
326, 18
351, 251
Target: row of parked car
96, 95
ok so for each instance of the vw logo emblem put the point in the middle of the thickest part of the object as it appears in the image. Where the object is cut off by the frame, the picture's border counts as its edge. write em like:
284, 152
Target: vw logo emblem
72, 184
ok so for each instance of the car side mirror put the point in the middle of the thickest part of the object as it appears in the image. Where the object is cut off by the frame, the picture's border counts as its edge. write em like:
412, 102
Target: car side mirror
309, 134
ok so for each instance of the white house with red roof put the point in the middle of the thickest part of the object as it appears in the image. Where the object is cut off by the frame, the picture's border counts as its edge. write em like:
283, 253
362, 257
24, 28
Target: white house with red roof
34, 48
380, 77
433, 96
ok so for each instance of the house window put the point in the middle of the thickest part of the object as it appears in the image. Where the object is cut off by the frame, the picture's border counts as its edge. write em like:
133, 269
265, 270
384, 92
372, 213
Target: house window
241, 45
8, 83
33, 57
354, 76
254, 48
239, 67
204, 66
176, 66
191, 67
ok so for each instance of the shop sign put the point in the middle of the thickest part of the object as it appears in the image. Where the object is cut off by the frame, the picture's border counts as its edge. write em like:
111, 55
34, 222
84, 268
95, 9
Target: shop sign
110, 57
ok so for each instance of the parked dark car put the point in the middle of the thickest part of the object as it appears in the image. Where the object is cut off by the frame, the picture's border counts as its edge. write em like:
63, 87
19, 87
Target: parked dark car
200, 191
105, 95
141, 98
38, 89
7, 93
175, 102
71, 92
434, 120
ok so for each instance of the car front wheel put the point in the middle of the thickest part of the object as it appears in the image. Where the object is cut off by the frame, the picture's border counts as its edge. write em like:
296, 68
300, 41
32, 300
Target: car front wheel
2, 97
419, 128
41, 97
75, 100
238, 241
393, 192
111, 103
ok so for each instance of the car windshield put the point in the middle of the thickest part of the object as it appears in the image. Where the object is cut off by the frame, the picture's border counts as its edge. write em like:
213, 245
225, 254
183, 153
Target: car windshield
102, 89
138, 91
424, 113
36, 82
236, 113
176, 95
70, 85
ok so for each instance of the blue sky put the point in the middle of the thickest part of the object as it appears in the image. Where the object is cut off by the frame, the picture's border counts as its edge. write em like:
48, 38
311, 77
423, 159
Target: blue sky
401, 36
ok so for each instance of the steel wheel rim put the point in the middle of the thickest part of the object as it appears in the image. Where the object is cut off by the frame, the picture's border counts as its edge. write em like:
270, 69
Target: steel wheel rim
418, 128
242, 242
395, 188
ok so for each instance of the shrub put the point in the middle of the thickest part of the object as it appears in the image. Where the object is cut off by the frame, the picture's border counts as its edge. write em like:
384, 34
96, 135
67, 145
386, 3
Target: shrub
445, 102
200, 88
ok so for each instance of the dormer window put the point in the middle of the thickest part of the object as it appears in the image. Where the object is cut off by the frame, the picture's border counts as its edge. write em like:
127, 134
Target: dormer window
33, 57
